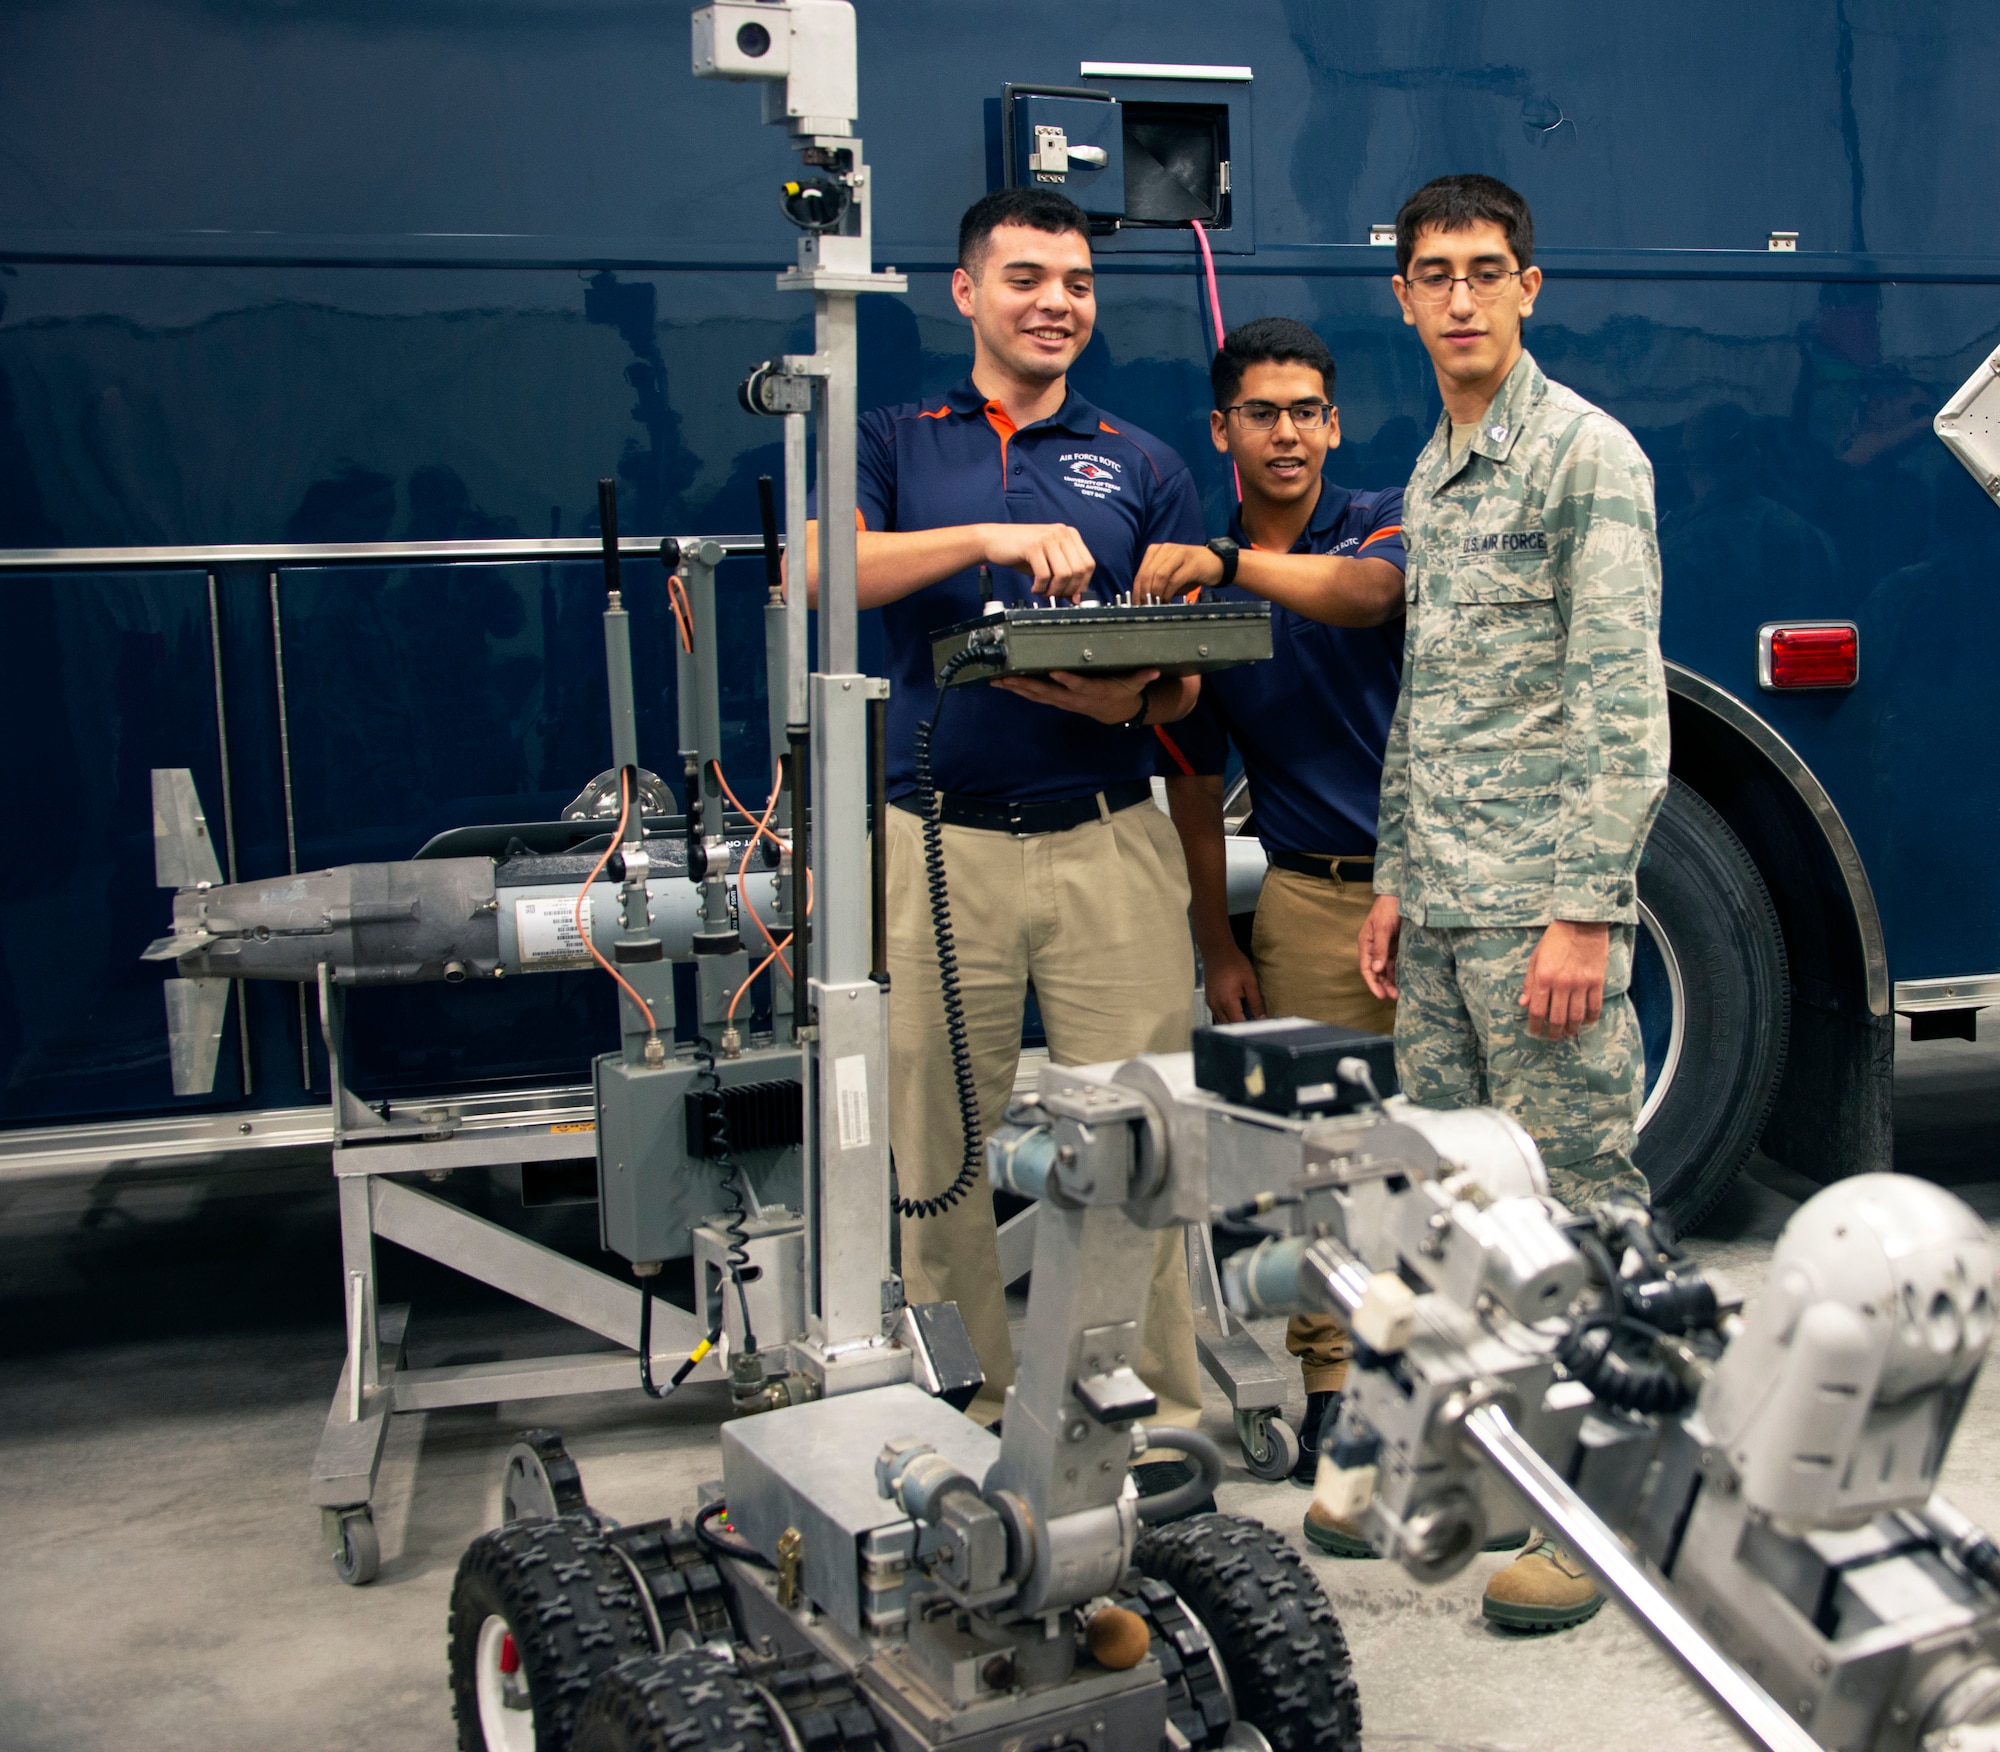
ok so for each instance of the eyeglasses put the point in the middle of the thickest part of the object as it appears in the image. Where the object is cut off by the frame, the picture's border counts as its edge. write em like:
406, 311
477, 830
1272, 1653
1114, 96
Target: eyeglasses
1261, 416
1485, 284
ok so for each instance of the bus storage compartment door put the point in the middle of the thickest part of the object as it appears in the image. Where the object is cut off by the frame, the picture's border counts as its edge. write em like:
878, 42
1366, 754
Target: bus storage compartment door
1073, 145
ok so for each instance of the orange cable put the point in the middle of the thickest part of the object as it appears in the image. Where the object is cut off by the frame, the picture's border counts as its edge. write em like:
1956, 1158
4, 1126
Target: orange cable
677, 600
742, 871
777, 950
583, 894
761, 830
750, 979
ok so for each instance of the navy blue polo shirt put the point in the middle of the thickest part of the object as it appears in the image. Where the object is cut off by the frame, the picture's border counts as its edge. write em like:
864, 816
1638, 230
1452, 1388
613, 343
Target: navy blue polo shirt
1311, 724
957, 459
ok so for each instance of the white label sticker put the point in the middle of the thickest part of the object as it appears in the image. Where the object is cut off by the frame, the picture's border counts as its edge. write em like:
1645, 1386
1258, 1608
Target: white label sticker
850, 1094
546, 935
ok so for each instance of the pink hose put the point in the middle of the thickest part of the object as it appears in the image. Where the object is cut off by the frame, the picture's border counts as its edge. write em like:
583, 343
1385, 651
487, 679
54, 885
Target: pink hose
1215, 315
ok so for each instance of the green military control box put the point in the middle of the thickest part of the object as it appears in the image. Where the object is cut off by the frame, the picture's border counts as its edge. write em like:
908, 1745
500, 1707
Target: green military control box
1176, 638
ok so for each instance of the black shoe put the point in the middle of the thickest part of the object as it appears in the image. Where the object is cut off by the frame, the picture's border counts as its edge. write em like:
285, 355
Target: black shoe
1157, 1477
1322, 1413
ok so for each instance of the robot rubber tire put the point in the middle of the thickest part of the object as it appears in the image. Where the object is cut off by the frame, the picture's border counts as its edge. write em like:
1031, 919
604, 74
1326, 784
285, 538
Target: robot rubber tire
539, 1609
693, 1701
1271, 1624
541, 1480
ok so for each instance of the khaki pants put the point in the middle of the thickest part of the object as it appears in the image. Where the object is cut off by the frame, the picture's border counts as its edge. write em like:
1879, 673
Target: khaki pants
1096, 919
1307, 965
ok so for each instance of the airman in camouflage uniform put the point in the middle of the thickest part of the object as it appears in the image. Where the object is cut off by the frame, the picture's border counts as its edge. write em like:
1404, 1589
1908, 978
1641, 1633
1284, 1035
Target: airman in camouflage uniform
1527, 759
1528, 754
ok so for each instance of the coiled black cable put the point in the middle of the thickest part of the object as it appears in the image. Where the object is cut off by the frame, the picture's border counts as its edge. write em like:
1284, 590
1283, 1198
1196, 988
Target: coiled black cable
738, 1255
737, 1211
1609, 1356
947, 952
1612, 1352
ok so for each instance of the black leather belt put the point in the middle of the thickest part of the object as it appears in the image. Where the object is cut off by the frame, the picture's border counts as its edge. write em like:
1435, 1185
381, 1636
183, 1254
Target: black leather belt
1326, 869
1024, 819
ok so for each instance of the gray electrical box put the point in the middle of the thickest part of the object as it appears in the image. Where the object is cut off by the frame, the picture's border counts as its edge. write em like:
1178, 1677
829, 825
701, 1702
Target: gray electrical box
655, 1176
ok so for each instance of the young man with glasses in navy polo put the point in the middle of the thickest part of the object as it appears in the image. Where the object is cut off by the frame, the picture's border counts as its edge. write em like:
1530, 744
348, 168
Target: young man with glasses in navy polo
1061, 873
1310, 726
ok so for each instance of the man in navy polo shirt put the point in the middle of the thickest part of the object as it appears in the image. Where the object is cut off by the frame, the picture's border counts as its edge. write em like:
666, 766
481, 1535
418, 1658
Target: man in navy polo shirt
1061, 873
1311, 725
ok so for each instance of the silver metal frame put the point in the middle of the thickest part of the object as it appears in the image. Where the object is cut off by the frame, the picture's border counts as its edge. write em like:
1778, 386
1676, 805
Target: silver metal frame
1967, 991
375, 1382
179, 1140
281, 555
1699, 690
1165, 70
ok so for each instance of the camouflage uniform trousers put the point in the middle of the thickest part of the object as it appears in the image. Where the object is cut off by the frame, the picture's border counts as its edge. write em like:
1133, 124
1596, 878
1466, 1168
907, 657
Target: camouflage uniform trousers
1462, 1040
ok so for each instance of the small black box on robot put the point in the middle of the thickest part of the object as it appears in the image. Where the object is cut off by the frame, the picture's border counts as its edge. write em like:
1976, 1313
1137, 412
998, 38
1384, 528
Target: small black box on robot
1288, 1065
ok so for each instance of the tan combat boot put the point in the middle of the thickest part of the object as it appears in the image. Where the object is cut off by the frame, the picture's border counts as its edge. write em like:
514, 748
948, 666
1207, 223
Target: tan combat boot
1335, 1537
1341, 1538
1544, 1589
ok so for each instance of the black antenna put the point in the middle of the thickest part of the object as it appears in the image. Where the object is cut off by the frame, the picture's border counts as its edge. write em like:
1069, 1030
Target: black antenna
607, 518
767, 508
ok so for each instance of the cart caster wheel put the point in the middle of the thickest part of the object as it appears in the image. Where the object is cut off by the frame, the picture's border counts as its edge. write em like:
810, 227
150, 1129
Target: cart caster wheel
541, 1482
357, 1553
1270, 1445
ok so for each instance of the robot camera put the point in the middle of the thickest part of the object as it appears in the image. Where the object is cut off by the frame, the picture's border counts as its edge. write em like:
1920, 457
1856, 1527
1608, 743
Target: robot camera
742, 39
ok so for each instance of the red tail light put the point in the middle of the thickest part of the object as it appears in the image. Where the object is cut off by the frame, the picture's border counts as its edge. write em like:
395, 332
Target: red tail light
1803, 654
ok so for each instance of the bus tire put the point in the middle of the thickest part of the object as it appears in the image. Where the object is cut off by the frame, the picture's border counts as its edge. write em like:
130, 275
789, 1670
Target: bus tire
1714, 1003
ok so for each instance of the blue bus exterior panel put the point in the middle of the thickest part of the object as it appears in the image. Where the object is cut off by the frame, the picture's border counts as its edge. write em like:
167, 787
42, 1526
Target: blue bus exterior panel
420, 273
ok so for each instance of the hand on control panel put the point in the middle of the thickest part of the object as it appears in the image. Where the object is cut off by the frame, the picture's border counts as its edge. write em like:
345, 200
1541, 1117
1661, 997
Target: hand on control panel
1173, 571
1052, 554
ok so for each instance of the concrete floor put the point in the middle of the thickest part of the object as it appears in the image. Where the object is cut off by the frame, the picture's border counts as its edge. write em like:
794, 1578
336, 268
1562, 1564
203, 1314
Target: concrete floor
168, 1359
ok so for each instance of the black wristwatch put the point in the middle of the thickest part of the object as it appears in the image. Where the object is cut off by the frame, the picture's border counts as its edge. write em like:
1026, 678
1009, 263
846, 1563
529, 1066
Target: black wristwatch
1226, 551
1137, 721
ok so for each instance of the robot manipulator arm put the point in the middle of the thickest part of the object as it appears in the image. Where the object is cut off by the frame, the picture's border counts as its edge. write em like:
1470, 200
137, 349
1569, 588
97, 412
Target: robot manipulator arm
1755, 1490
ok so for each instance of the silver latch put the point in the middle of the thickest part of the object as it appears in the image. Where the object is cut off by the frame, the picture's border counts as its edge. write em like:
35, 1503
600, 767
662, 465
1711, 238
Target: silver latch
1379, 234
1050, 162
1783, 240
1094, 156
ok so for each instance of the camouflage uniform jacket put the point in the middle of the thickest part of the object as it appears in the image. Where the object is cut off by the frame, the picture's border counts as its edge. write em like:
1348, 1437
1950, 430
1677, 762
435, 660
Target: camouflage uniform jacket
1528, 753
